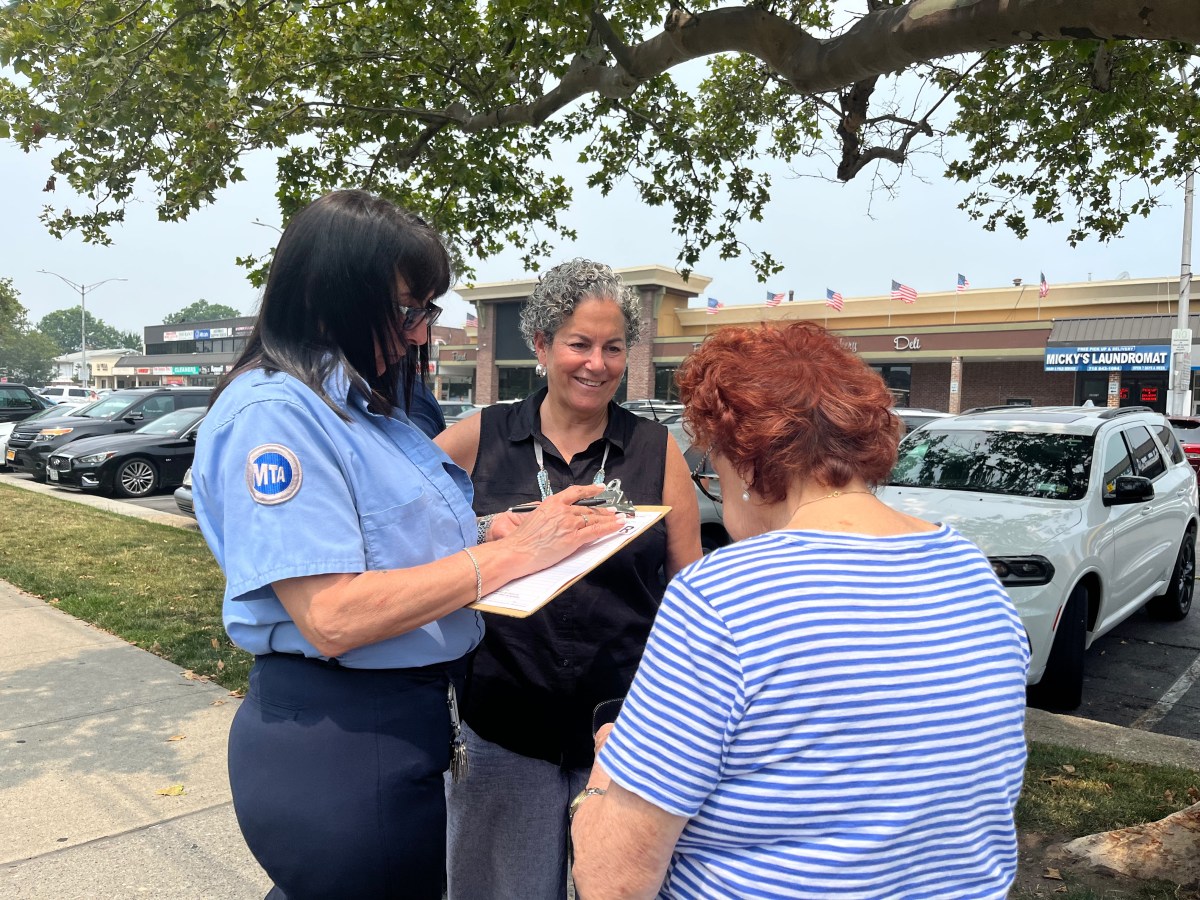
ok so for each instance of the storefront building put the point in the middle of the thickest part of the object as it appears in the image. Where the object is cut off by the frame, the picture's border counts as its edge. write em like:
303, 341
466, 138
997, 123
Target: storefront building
948, 351
200, 353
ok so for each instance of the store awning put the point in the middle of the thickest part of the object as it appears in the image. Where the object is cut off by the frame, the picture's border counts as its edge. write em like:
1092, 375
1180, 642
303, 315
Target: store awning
1116, 330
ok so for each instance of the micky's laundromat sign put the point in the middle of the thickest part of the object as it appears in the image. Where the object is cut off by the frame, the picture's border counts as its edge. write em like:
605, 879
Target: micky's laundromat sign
1145, 358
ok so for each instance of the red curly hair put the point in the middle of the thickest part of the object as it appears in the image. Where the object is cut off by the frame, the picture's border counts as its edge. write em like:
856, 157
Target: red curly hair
788, 402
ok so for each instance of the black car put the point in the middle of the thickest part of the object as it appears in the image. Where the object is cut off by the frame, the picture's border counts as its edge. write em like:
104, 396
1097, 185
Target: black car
130, 465
18, 402
30, 446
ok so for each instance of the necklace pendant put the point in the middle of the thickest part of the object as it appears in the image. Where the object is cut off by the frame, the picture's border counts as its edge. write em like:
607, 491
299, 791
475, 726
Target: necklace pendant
543, 483
599, 479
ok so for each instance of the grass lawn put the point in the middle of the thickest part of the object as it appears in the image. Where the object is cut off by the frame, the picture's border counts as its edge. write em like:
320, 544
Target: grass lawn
159, 588
155, 586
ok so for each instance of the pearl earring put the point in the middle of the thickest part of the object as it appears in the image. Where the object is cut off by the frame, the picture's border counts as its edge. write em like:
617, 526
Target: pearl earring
539, 370
746, 493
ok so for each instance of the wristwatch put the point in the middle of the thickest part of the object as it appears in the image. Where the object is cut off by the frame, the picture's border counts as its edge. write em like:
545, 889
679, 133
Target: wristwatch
579, 798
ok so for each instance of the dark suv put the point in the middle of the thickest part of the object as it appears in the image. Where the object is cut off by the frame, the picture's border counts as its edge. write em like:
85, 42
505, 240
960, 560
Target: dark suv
30, 446
18, 402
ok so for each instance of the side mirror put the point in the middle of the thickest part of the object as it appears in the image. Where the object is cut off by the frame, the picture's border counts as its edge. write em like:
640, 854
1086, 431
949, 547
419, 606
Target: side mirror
135, 417
1128, 489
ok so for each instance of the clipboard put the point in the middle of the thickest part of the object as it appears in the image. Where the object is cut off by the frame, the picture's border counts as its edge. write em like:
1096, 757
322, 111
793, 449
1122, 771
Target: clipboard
524, 596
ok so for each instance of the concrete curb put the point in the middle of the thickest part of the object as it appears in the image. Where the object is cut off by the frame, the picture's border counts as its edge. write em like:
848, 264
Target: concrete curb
97, 502
1113, 740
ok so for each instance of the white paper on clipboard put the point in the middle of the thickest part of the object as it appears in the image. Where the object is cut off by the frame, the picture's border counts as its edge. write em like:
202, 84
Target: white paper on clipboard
526, 595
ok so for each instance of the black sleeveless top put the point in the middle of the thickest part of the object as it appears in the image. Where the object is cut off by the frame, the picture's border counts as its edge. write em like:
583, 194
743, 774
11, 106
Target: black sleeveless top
535, 682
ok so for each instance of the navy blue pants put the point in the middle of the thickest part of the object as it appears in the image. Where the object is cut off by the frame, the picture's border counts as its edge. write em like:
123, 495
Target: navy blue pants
337, 777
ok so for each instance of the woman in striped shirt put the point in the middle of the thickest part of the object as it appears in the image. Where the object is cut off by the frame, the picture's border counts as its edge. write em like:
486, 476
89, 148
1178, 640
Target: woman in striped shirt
832, 706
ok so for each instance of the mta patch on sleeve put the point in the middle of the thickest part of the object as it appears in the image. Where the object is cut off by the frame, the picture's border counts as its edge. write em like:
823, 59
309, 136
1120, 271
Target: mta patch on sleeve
273, 474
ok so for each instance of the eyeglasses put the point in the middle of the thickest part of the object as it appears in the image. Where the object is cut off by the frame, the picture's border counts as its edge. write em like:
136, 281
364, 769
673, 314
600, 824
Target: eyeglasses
708, 482
415, 315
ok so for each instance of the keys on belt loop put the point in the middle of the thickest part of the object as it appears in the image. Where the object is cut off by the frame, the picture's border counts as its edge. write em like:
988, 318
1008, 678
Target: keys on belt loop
458, 746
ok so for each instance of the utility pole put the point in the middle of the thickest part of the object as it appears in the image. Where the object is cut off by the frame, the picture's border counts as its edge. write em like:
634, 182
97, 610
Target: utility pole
1180, 395
82, 289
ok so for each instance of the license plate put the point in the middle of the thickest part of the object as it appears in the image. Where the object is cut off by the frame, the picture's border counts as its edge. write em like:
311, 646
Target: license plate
52, 475
10, 455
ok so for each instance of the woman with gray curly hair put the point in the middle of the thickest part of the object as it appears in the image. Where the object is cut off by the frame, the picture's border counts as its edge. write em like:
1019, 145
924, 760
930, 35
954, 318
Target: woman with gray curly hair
537, 684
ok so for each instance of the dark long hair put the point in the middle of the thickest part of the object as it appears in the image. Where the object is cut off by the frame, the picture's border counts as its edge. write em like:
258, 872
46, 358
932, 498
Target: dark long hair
332, 293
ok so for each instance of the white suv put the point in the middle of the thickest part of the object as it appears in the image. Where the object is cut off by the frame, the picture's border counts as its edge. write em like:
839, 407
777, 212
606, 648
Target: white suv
1086, 514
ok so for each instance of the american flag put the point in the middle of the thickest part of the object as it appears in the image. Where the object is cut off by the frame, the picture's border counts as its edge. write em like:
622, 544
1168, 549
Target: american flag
713, 305
963, 284
834, 299
1043, 288
472, 321
774, 299
903, 292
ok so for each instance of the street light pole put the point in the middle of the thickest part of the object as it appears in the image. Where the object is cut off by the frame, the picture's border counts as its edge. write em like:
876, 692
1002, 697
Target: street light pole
82, 289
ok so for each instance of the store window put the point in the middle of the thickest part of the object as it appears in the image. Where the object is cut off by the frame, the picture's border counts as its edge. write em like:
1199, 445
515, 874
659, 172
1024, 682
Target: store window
664, 384
899, 382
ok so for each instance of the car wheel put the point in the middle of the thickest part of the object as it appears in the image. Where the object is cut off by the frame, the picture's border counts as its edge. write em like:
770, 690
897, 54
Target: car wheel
1177, 601
1061, 687
135, 478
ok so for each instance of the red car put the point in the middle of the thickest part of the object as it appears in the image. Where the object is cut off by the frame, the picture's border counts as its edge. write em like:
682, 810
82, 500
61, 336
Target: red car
1187, 429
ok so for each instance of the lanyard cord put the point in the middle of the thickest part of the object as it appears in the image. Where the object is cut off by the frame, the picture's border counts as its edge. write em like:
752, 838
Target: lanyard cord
543, 478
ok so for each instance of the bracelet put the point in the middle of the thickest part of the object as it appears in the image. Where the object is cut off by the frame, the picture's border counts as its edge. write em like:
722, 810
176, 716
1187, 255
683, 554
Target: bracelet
481, 528
478, 575
579, 798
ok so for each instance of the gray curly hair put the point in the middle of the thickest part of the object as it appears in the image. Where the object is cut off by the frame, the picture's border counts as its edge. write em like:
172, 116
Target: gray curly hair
562, 288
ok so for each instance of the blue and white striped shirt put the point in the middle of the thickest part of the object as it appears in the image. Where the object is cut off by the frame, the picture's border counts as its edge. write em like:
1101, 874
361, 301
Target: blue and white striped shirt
838, 715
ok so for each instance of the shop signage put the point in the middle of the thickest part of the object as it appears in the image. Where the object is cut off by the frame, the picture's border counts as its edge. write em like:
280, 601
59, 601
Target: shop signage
902, 342
184, 370
852, 346
178, 335
1147, 358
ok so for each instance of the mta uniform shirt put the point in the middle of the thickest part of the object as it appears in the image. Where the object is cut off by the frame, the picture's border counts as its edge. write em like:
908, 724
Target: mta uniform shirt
285, 488
837, 716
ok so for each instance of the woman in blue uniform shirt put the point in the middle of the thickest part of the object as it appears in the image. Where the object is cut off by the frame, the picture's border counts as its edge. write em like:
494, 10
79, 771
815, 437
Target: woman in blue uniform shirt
349, 549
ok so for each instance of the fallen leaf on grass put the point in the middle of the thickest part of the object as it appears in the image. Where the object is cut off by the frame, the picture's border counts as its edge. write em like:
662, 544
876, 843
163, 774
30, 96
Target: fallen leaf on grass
175, 737
175, 790
1061, 890
1052, 874
1193, 795
1169, 795
1070, 770
220, 664
237, 694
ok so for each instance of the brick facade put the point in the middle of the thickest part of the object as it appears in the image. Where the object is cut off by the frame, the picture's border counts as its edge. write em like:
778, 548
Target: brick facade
639, 368
486, 389
991, 384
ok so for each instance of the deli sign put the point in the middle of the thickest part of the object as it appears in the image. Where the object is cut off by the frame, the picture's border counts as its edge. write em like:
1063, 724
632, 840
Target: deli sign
1133, 358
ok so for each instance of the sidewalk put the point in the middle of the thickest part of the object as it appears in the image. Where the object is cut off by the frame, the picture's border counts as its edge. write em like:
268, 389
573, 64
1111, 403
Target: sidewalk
92, 728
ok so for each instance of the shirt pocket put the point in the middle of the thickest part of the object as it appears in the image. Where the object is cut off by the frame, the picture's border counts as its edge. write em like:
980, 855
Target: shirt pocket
398, 536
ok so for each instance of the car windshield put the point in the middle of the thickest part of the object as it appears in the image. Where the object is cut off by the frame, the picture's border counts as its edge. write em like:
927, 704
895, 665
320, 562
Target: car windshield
173, 422
1025, 464
106, 408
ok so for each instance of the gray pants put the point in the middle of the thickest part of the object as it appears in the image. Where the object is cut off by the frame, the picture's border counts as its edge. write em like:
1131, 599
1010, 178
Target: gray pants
507, 835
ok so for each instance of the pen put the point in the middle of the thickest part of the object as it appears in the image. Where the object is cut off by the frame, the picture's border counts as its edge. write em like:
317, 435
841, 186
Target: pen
586, 501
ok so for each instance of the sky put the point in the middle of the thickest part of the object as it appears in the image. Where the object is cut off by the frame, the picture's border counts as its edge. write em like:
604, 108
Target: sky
827, 235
